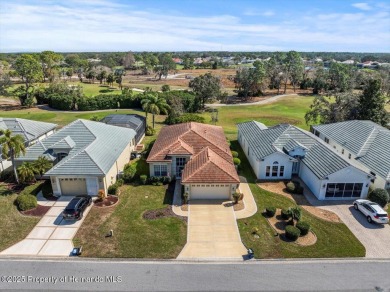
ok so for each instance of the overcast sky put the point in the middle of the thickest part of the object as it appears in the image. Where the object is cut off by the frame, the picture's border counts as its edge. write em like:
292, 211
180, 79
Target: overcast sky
201, 25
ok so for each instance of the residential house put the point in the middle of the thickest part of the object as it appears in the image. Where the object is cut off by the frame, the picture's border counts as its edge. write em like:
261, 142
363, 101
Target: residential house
282, 151
365, 144
31, 131
131, 121
87, 156
199, 156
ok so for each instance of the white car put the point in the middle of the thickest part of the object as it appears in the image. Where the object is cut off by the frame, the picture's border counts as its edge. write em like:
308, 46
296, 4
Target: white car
372, 211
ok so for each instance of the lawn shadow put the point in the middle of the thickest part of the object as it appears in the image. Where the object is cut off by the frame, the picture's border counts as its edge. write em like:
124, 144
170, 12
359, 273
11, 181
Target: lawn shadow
168, 197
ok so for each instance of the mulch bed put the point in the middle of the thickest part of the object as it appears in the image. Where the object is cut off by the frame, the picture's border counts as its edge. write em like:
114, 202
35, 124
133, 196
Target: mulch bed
239, 206
38, 211
161, 213
107, 202
279, 225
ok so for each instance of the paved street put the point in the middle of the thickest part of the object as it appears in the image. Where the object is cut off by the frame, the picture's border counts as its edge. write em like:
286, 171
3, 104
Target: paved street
310, 275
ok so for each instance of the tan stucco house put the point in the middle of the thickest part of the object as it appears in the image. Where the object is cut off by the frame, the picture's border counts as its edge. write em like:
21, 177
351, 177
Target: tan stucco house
199, 156
87, 156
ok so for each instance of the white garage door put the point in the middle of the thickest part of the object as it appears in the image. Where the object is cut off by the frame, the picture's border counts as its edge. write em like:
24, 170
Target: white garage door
73, 186
201, 191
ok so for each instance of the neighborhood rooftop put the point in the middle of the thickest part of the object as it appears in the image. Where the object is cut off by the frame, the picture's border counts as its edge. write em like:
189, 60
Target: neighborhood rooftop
30, 130
369, 142
189, 138
320, 159
93, 148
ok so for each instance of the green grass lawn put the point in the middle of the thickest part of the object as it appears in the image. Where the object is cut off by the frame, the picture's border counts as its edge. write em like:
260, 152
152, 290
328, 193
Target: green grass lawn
333, 239
13, 225
290, 109
134, 237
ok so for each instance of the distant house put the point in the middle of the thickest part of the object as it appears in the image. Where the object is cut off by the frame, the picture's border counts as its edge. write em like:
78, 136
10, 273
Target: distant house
177, 60
31, 131
279, 152
199, 156
131, 121
87, 156
364, 144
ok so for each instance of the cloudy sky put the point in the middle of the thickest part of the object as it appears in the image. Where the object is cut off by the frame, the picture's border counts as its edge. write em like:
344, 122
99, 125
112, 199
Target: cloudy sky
185, 25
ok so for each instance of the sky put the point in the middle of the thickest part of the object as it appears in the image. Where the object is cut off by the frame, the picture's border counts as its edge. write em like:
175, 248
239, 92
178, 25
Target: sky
198, 25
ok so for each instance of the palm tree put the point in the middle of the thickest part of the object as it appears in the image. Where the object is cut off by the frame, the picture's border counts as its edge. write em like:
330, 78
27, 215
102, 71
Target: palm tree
155, 105
12, 146
27, 172
41, 165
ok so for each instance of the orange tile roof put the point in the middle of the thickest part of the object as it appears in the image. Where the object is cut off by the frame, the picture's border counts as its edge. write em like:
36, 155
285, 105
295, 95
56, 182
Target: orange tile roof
211, 159
189, 138
208, 167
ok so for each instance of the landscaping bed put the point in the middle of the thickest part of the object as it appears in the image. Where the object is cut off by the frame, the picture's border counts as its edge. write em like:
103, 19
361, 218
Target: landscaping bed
161, 213
39, 211
107, 202
280, 188
279, 225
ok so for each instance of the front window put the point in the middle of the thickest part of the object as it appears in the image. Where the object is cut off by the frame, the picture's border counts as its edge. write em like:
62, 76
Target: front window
275, 170
160, 170
267, 170
281, 171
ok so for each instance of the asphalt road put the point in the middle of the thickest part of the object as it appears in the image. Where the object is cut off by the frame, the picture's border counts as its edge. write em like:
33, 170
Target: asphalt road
283, 275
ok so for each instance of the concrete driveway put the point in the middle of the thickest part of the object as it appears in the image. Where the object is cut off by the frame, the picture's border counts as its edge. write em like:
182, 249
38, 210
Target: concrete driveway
52, 236
212, 232
374, 237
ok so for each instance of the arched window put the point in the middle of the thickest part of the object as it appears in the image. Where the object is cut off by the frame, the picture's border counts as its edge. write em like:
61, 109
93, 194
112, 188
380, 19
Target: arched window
275, 162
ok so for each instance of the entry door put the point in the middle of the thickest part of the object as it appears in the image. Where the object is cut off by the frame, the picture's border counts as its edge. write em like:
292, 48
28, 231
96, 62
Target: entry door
180, 162
92, 186
295, 167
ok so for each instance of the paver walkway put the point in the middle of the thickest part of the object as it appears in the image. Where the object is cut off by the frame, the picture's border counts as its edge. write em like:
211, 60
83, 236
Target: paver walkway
212, 232
52, 236
250, 206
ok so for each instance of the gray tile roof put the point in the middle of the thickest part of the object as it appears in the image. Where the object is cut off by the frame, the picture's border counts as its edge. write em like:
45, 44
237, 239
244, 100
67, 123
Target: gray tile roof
365, 139
320, 158
30, 130
64, 143
96, 147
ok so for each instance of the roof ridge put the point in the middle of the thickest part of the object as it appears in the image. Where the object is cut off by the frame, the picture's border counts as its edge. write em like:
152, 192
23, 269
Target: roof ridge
211, 142
374, 133
210, 160
85, 151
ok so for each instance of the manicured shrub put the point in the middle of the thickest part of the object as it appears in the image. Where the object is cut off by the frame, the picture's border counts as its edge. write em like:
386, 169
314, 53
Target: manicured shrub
270, 211
113, 189
290, 187
286, 214
379, 196
237, 196
235, 154
304, 227
101, 195
119, 182
236, 161
26, 202
165, 179
150, 131
129, 172
143, 178
292, 232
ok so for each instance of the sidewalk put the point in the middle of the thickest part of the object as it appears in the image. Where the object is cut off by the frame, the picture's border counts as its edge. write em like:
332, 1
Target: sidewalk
176, 206
250, 206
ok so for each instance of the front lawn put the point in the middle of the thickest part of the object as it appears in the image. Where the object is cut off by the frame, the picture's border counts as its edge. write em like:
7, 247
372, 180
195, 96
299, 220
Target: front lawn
333, 239
134, 236
13, 225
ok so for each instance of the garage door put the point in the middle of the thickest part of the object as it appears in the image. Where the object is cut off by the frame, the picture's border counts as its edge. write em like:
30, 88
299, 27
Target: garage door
73, 186
199, 192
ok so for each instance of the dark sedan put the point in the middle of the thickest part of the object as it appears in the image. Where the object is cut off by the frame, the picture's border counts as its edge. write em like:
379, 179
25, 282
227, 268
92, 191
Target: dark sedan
76, 207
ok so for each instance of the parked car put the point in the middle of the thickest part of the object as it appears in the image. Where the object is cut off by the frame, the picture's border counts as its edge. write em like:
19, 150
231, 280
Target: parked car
76, 207
372, 211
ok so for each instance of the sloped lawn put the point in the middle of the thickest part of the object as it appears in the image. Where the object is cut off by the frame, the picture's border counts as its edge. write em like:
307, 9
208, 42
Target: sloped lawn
333, 239
134, 236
